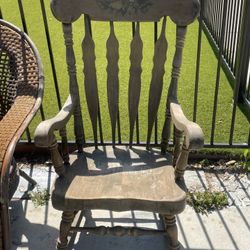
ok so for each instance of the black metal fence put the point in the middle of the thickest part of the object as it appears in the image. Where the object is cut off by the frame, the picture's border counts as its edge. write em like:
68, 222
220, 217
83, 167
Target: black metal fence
226, 25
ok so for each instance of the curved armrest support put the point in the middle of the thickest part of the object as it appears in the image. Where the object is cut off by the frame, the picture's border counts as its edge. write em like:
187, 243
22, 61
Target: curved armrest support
44, 136
193, 132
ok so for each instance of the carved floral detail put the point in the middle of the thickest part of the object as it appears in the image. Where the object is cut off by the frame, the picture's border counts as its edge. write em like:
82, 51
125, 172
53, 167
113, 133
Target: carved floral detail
125, 7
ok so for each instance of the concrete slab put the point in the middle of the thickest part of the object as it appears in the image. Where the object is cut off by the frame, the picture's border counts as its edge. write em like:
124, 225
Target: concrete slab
37, 228
229, 229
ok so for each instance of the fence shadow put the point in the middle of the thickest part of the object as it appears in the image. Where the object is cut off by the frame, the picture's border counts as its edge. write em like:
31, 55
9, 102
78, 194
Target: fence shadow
27, 235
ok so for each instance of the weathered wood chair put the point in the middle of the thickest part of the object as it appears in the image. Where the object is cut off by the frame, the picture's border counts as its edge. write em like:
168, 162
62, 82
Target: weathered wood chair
21, 90
88, 181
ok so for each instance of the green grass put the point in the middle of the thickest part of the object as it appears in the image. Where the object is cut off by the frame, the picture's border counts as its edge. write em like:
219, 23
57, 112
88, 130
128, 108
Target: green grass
123, 32
205, 202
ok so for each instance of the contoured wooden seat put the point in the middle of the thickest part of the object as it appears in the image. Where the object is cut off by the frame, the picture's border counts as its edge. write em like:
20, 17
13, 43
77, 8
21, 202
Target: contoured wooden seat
122, 179
113, 177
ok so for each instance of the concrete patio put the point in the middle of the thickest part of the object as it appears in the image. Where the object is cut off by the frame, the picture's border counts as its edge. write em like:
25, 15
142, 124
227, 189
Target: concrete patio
37, 227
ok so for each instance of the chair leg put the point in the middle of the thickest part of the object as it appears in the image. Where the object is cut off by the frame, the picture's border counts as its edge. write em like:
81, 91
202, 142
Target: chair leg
67, 219
5, 226
171, 228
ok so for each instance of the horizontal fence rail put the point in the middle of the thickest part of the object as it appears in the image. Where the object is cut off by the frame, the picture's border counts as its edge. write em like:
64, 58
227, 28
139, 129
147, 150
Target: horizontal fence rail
224, 22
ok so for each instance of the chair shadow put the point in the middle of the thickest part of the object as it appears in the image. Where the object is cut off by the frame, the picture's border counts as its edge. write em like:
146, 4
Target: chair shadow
94, 242
29, 235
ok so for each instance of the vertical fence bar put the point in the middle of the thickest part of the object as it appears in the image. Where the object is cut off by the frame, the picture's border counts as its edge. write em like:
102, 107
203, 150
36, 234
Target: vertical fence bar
209, 10
204, 2
248, 143
242, 61
227, 31
233, 34
25, 30
156, 119
21, 10
47, 33
218, 23
248, 84
216, 26
137, 117
239, 18
20, 5
218, 72
197, 73
1, 14
239, 14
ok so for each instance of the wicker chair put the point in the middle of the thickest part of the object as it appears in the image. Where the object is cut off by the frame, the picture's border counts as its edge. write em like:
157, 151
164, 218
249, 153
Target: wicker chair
21, 90
116, 177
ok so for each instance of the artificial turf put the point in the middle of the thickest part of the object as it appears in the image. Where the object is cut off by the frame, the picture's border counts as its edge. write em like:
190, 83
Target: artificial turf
123, 31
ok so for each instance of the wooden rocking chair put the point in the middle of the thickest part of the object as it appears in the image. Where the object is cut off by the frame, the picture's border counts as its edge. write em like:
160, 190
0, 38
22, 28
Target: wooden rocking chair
86, 179
21, 90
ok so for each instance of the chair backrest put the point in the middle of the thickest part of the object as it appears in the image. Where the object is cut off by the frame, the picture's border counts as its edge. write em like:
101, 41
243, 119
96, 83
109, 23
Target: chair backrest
8, 69
18, 66
182, 13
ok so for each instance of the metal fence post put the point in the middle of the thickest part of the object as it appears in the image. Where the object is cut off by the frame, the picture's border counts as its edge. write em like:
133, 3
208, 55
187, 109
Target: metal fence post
244, 55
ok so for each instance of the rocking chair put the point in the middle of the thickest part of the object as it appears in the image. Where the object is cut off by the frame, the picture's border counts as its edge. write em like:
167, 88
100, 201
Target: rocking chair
98, 176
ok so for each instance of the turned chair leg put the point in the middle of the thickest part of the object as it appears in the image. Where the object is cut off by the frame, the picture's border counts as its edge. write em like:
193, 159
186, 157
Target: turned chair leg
67, 219
171, 228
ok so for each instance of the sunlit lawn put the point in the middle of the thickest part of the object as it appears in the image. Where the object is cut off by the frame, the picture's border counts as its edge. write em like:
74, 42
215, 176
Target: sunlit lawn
124, 33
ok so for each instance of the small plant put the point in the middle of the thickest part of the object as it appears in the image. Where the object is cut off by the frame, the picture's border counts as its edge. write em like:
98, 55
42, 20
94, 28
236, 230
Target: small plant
205, 163
246, 160
244, 163
204, 202
40, 197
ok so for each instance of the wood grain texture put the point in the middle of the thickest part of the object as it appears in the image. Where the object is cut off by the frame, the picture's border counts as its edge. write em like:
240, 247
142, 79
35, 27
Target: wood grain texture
182, 161
119, 231
73, 84
156, 84
134, 79
119, 179
172, 91
67, 219
113, 78
90, 79
57, 159
182, 12
194, 137
177, 144
172, 231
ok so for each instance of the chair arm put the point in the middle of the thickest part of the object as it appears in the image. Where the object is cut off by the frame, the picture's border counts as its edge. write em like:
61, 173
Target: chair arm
12, 126
44, 136
192, 131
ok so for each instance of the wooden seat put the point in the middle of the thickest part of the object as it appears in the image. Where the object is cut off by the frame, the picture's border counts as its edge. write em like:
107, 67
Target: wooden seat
124, 179
121, 178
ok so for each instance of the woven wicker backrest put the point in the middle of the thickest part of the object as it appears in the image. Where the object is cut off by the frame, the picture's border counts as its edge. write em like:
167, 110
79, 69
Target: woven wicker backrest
182, 12
8, 77
18, 68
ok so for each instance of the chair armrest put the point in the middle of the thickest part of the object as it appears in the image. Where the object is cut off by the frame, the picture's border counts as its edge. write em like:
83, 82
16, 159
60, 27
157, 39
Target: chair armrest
44, 136
192, 131
12, 126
